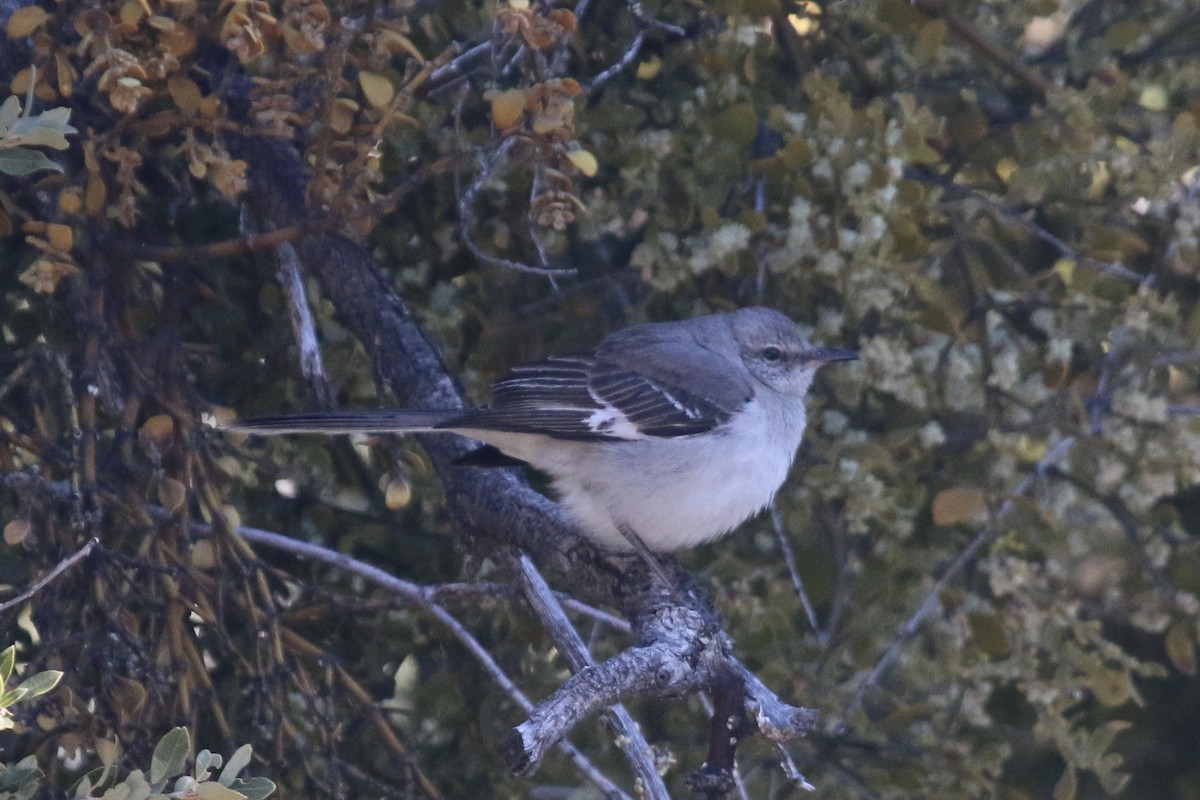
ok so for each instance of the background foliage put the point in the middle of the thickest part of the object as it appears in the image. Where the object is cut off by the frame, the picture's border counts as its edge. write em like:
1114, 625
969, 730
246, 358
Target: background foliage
996, 201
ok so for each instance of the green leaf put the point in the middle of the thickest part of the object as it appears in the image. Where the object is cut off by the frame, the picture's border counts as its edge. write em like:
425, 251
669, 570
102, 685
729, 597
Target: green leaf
206, 762
16, 161
8, 658
256, 788
10, 112
38, 685
237, 763
738, 124
1067, 786
138, 788
119, 792
170, 755
48, 129
22, 774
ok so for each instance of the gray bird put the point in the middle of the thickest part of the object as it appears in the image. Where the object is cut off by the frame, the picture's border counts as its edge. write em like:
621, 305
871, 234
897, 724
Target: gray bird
671, 433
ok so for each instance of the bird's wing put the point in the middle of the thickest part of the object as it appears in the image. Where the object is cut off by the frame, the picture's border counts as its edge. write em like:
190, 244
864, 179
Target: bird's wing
599, 398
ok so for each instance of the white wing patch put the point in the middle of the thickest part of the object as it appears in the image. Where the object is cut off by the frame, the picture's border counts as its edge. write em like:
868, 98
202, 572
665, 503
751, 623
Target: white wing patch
611, 421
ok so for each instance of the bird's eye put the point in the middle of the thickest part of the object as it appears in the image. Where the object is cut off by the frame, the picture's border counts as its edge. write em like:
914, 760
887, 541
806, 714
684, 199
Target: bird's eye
772, 354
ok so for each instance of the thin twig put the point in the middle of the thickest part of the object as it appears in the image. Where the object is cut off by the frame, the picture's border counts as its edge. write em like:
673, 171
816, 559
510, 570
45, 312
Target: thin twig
932, 598
1026, 75
59, 569
421, 596
467, 219
789, 556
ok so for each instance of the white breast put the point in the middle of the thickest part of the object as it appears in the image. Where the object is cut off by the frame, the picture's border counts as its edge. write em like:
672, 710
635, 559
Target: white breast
678, 493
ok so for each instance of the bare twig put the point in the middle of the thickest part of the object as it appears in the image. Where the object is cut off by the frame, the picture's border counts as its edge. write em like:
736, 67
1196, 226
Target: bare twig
467, 219
789, 556
421, 596
59, 569
572, 646
635, 48
1001, 209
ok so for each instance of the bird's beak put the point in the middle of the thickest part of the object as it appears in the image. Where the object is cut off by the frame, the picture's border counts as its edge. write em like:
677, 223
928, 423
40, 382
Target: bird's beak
825, 355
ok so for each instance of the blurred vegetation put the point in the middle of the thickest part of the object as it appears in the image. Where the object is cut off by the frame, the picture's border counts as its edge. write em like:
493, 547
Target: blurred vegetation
998, 202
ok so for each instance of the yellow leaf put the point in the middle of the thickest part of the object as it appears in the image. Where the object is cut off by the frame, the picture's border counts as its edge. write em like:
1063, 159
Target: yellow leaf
61, 236
232, 517
958, 504
17, 531
132, 13
1005, 168
1153, 98
649, 68
22, 80
341, 115
204, 555
584, 161
1031, 450
25, 21
398, 494
508, 108
1064, 268
378, 89
65, 73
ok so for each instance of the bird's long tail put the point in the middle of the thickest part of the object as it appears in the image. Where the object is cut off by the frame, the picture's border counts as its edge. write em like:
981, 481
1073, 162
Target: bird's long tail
343, 422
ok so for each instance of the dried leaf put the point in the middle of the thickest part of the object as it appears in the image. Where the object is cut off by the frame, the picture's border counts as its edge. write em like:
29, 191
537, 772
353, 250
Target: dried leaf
158, 428
44, 275
508, 108
61, 237
185, 92
25, 21
16, 531
172, 495
958, 504
341, 115
1180, 642
95, 196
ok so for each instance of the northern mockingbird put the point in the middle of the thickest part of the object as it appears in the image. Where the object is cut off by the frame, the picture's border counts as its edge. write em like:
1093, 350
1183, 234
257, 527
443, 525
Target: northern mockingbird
673, 433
